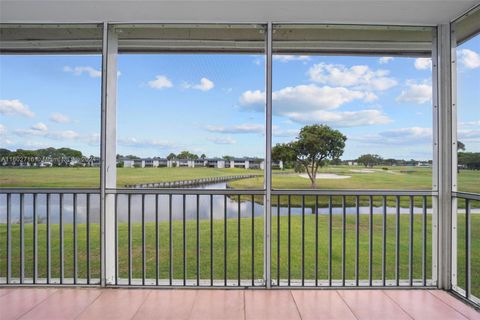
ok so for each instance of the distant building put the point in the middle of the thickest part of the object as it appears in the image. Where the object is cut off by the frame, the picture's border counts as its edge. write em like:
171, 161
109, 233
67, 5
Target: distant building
245, 163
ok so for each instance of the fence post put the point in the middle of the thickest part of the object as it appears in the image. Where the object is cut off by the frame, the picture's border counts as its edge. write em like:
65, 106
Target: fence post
108, 170
268, 160
446, 148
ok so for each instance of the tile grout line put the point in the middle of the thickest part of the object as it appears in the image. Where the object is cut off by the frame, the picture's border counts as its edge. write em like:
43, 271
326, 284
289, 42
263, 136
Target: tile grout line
397, 304
38, 303
444, 302
8, 291
193, 305
348, 306
141, 304
244, 307
295, 303
93, 301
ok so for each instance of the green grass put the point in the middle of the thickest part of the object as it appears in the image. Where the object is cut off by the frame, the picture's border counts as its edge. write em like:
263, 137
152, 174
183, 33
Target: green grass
391, 179
245, 249
419, 179
90, 177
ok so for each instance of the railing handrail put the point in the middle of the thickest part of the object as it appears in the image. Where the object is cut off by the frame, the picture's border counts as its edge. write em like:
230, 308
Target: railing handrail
466, 195
48, 190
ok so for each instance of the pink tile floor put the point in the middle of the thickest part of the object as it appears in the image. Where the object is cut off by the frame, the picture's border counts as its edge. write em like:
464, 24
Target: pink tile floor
80, 303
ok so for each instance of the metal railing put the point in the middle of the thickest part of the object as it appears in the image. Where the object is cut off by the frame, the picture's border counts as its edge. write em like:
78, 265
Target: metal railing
466, 246
205, 238
188, 238
353, 238
50, 237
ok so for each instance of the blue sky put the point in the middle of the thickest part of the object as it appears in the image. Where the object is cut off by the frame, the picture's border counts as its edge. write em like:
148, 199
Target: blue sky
214, 104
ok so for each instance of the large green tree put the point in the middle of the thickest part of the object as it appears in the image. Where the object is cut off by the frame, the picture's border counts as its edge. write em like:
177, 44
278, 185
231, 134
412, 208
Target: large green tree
313, 148
369, 160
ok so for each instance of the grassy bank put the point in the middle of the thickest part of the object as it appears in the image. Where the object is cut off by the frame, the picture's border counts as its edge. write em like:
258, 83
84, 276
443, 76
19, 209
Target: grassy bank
245, 248
395, 178
90, 177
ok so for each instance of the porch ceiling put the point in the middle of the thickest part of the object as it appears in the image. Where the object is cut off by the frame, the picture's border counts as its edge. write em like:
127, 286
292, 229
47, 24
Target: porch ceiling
418, 12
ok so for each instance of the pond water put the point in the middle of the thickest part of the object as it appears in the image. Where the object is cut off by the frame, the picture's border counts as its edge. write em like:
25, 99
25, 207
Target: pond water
247, 208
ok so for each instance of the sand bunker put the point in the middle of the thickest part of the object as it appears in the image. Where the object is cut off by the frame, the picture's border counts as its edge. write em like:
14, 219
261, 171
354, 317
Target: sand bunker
325, 176
362, 170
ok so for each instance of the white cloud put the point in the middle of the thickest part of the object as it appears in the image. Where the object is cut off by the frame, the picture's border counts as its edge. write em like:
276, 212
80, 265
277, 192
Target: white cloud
93, 139
384, 60
60, 135
341, 119
222, 140
469, 58
143, 143
467, 124
241, 128
304, 98
469, 135
15, 107
92, 72
160, 82
204, 85
359, 77
278, 132
423, 63
41, 130
416, 92
40, 127
287, 58
59, 118
400, 136
3, 129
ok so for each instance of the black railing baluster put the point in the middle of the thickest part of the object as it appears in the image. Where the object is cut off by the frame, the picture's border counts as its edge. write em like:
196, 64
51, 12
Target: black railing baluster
211, 240
142, 208
424, 240
467, 249
130, 260
370, 240
115, 199
357, 240
61, 237
344, 227
330, 227
253, 239
397, 243
9, 239
278, 240
303, 240
35, 238
238, 240
289, 239
74, 200
184, 225
225, 276
198, 237
410, 258
316, 240
49, 260
170, 242
157, 243
22, 240
384, 240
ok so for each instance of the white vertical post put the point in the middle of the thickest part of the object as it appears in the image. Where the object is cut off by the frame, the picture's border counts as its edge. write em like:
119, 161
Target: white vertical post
435, 167
453, 84
108, 152
268, 160
445, 148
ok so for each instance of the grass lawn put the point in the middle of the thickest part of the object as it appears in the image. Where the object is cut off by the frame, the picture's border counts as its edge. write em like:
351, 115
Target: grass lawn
90, 177
394, 178
391, 179
245, 249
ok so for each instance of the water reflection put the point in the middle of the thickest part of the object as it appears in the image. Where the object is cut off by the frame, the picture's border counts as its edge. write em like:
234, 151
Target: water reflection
218, 205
